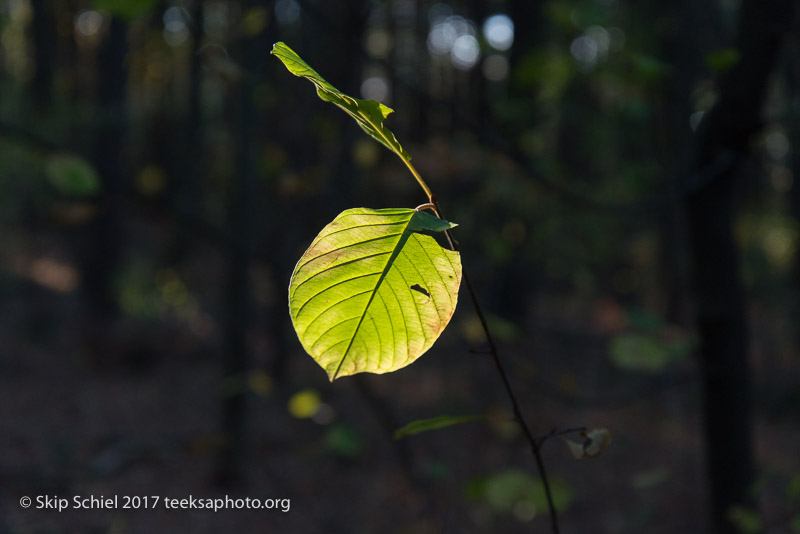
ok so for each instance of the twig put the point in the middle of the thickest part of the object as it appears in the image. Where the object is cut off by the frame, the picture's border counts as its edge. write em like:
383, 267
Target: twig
536, 444
556, 433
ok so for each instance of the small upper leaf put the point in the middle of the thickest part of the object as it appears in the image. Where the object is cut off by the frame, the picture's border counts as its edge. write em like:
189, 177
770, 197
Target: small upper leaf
351, 297
369, 114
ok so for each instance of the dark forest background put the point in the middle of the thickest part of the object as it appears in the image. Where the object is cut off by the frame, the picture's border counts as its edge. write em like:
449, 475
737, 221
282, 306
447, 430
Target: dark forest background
623, 178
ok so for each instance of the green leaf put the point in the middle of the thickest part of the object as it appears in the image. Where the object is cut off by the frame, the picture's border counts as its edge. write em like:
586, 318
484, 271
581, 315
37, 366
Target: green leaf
639, 352
649, 479
423, 425
645, 320
745, 519
793, 489
372, 294
72, 175
649, 68
343, 441
516, 492
369, 114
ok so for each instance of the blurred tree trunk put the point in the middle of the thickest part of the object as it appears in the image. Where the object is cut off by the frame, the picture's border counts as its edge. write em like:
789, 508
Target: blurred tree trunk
187, 162
721, 314
793, 86
243, 226
530, 35
45, 43
175, 136
102, 253
513, 292
349, 22
527, 16
476, 96
681, 25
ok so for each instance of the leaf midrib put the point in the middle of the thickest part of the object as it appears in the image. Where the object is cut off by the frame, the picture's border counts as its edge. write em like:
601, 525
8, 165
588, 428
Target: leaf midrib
395, 251
386, 140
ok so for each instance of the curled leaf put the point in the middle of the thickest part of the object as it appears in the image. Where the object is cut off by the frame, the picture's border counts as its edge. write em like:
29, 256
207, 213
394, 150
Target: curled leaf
593, 443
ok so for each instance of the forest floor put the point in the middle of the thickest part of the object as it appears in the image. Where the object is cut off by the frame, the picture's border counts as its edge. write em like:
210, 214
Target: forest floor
138, 413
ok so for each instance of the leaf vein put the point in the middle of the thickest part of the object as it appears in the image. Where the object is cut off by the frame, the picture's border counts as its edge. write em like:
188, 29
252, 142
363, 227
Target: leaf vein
323, 312
416, 309
391, 327
319, 338
397, 248
378, 238
321, 291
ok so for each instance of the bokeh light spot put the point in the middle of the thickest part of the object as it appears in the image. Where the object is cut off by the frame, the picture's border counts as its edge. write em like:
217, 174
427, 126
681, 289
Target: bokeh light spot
695, 119
375, 88
465, 52
259, 382
88, 23
446, 31
781, 179
777, 145
495, 68
176, 32
499, 32
304, 404
584, 49
601, 37
378, 43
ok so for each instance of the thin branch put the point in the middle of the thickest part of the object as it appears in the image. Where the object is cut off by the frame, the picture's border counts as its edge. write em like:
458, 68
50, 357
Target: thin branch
536, 444
557, 433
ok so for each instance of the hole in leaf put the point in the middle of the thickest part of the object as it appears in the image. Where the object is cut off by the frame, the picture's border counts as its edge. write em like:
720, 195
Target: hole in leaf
417, 287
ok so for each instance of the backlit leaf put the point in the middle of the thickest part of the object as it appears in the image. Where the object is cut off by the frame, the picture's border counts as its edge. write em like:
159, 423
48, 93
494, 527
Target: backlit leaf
423, 425
355, 295
369, 114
